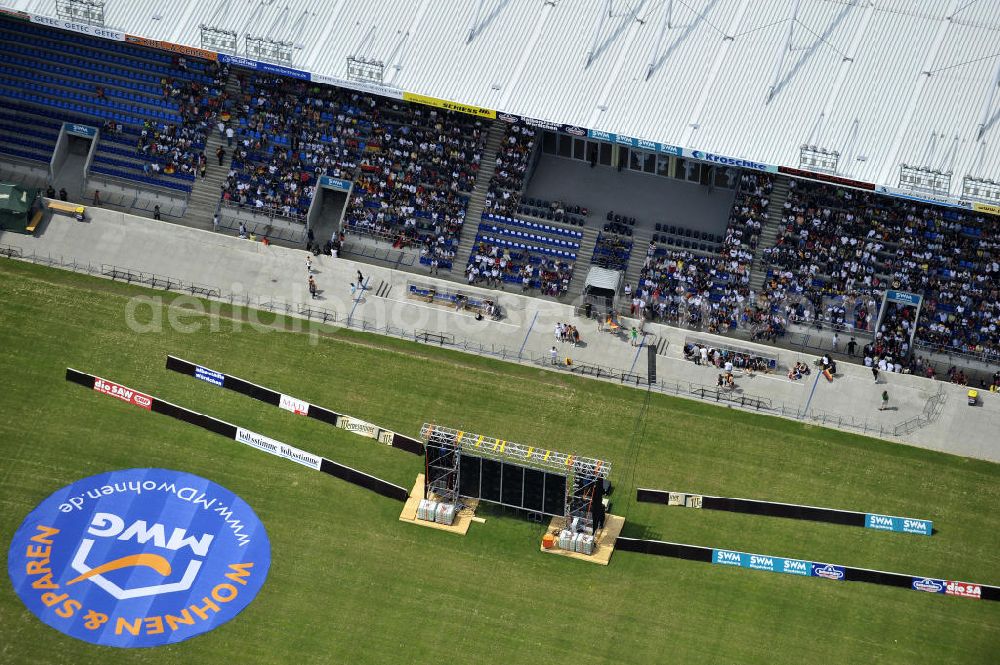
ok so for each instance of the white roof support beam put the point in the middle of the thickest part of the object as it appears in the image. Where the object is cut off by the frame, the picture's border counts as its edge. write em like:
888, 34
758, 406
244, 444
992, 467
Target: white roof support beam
522, 62
845, 68
720, 57
612, 79
175, 35
320, 45
598, 31
395, 59
984, 120
786, 48
665, 24
890, 163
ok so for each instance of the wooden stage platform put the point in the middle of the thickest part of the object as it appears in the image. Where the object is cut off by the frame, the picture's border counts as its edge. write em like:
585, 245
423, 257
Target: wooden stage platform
604, 544
463, 519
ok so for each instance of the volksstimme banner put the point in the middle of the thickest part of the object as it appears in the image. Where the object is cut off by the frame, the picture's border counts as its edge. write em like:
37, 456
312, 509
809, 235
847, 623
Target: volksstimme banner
252, 439
277, 448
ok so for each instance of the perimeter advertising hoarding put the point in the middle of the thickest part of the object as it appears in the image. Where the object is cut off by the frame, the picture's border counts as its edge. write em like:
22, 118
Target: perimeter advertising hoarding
899, 524
640, 144
82, 28
277, 448
263, 66
179, 49
449, 105
770, 564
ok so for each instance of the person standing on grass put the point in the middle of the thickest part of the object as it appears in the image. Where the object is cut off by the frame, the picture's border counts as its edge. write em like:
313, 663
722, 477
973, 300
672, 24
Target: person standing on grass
312, 287
885, 400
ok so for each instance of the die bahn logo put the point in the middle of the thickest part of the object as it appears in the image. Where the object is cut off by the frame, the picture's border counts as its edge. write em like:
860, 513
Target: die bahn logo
139, 558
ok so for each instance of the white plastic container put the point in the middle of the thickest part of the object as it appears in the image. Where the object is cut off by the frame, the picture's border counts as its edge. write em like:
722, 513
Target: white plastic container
427, 510
585, 544
445, 514
566, 540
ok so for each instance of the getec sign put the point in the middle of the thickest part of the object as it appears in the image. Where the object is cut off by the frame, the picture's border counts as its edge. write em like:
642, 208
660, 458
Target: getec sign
139, 558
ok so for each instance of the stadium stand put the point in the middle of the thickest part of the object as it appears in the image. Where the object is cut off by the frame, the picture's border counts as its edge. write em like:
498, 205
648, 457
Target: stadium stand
842, 248
507, 184
153, 108
413, 168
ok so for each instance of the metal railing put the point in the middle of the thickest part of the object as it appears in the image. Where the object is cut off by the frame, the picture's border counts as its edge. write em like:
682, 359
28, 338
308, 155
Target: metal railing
735, 399
268, 212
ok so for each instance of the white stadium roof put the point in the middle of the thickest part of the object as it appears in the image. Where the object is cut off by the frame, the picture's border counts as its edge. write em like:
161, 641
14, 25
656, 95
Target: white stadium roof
881, 82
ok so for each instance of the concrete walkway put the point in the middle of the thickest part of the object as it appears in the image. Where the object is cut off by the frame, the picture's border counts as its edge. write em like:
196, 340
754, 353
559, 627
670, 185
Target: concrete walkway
260, 274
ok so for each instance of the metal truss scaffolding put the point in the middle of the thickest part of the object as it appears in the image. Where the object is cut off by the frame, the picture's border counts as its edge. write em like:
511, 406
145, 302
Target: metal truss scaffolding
442, 459
584, 475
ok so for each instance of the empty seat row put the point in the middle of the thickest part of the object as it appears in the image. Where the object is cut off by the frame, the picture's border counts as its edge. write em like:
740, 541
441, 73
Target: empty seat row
63, 81
75, 68
543, 213
524, 247
530, 237
688, 233
541, 228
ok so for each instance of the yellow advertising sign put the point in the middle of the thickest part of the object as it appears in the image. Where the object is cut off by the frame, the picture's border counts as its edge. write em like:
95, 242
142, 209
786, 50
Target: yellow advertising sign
988, 208
451, 106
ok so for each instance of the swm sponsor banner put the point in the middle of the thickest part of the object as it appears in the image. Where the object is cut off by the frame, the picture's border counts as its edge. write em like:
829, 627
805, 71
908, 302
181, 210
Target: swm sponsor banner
277, 448
899, 524
139, 558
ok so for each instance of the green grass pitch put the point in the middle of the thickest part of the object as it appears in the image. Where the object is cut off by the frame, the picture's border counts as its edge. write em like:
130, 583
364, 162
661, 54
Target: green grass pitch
349, 583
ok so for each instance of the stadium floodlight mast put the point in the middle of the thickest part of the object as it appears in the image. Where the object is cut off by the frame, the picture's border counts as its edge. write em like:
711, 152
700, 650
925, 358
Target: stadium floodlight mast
981, 189
90, 12
214, 37
924, 179
360, 68
815, 158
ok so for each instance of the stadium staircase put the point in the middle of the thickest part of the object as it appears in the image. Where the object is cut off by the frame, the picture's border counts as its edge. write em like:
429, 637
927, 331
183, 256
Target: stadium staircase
207, 192
769, 234
640, 242
477, 200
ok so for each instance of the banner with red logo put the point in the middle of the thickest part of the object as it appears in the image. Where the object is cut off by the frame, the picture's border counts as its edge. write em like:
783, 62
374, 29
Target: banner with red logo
121, 392
963, 589
295, 405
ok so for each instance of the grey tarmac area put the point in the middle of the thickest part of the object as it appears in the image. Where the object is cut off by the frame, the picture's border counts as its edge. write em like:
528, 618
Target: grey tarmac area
260, 274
